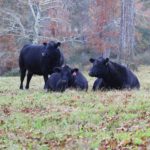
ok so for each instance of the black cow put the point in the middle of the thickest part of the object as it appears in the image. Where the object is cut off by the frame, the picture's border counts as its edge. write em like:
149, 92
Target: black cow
64, 78
59, 80
113, 75
40, 60
78, 80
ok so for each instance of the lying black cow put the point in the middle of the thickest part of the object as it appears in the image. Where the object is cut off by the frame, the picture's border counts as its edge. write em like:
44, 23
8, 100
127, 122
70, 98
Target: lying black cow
59, 80
78, 80
40, 60
113, 75
64, 78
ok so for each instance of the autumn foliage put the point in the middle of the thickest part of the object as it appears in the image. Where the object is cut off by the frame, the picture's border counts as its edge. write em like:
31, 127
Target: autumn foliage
102, 14
8, 59
92, 24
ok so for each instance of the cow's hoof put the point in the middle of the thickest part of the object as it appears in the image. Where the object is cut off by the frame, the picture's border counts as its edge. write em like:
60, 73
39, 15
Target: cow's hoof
21, 87
27, 87
46, 90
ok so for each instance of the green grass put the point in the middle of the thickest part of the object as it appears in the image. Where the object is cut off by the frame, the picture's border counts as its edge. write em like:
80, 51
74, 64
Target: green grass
33, 119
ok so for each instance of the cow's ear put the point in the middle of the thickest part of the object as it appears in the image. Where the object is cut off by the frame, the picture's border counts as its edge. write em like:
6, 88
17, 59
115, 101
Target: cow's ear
106, 61
57, 69
58, 44
91, 60
74, 71
44, 43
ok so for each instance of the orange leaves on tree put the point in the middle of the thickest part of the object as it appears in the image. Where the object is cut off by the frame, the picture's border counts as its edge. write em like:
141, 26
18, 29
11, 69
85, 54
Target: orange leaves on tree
101, 13
8, 56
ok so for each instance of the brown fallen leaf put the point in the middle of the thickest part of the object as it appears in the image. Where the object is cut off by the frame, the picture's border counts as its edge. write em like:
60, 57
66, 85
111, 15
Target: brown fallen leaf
2, 133
2, 122
6, 111
108, 144
102, 148
113, 143
142, 147
126, 142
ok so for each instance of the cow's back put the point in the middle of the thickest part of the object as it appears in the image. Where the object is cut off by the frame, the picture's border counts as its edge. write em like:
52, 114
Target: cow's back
30, 57
52, 81
122, 78
80, 81
127, 77
132, 81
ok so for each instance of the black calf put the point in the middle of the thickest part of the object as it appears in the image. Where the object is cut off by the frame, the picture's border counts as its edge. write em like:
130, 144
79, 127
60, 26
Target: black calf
78, 80
59, 80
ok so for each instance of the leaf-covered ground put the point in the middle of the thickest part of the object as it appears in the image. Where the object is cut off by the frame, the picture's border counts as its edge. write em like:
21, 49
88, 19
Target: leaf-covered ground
34, 119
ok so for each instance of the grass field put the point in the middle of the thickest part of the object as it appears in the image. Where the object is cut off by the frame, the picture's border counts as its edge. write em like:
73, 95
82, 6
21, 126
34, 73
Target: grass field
35, 120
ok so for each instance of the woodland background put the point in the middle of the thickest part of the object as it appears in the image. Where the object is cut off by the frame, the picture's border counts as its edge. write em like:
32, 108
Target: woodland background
85, 28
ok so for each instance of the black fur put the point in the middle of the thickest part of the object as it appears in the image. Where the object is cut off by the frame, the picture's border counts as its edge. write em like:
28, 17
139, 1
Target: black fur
98, 84
114, 76
59, 80
78, 80
40, 60
64, 78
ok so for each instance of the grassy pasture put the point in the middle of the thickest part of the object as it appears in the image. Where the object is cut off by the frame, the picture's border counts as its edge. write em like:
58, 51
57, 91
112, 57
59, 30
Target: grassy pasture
35, 120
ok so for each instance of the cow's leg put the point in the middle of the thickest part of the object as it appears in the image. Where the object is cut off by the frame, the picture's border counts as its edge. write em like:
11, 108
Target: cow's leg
29, 76
45, 79
22, 76
99, 84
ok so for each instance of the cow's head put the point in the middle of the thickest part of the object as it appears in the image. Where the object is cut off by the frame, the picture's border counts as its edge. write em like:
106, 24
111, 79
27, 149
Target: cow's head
99, 68
52, 47
74, 72
65, 73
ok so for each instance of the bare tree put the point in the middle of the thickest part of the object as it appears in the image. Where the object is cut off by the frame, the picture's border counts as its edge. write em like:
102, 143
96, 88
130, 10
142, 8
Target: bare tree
46, 16
126, 51
29, 21
11, 23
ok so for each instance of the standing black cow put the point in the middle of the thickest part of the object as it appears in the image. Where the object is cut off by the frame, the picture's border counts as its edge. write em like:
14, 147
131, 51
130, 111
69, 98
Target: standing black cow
59, 80
78, 80
113, 75
40, 60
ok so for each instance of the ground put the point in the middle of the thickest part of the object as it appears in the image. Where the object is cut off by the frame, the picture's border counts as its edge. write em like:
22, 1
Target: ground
33, 119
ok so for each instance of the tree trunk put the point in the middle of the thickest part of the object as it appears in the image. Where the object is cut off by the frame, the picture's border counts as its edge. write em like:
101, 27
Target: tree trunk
126, 50
36, 15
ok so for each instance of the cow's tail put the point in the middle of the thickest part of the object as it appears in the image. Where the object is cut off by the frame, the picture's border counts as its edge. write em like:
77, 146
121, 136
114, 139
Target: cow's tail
21, 58
21, 62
